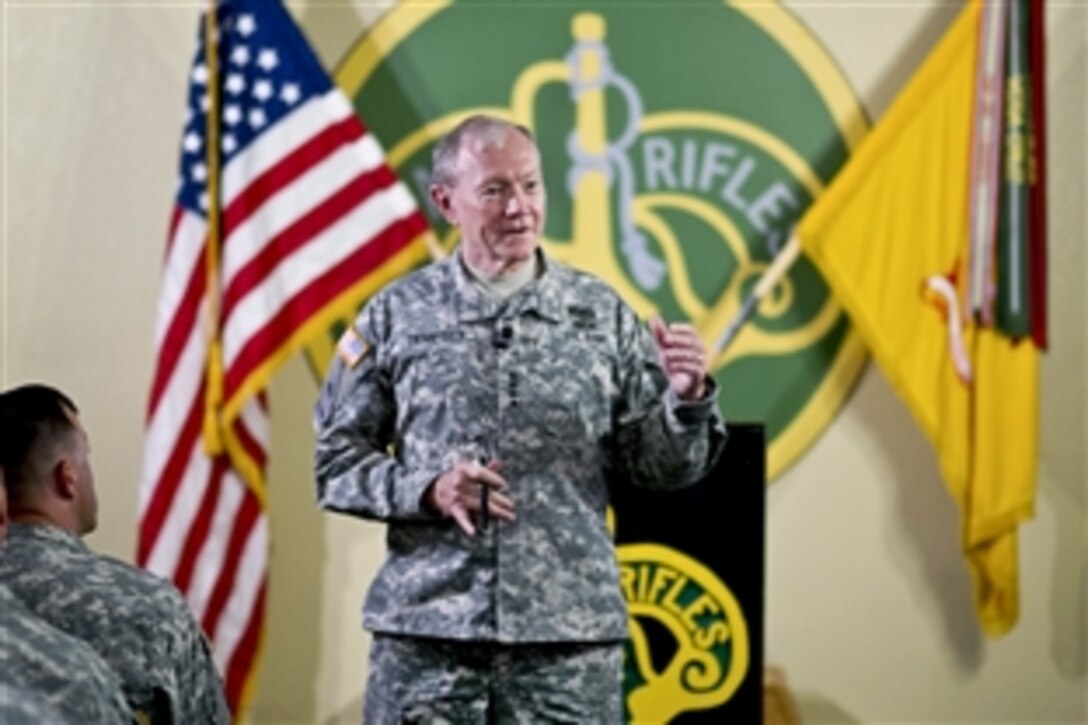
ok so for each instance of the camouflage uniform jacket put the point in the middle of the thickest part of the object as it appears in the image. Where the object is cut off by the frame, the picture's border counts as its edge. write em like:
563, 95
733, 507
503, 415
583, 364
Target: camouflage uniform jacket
561, 383
138, 623
21, 706
44, 669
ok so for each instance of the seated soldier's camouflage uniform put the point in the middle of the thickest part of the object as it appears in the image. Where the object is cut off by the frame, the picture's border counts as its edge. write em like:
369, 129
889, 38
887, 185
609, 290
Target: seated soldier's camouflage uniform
48, 676
19, 706
561, 383
138, 623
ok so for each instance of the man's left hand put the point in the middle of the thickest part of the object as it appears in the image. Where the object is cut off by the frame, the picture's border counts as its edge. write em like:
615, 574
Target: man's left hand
682, 356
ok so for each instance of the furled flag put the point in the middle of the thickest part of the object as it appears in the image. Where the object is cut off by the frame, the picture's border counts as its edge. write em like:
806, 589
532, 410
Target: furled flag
285, 212
1037, 235
1007, 272
891, 237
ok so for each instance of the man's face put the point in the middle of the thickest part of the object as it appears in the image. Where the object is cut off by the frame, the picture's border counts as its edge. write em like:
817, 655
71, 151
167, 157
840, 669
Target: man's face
86, 502
497, 200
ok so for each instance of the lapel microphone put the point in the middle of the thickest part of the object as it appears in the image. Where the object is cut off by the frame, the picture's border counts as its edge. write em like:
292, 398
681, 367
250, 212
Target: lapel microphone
502, 334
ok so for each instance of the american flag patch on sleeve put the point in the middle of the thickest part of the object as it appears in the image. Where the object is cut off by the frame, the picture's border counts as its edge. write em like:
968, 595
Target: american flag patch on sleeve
352, 348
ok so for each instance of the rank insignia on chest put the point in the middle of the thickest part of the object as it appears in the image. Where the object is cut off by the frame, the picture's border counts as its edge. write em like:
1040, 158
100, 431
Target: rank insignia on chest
582, 318
352, 348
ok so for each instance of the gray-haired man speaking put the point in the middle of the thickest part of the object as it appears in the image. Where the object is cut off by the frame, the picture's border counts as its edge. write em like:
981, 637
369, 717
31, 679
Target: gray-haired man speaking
480, 407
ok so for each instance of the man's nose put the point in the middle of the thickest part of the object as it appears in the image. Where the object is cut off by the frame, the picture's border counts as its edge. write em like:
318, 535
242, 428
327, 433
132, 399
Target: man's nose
515, 202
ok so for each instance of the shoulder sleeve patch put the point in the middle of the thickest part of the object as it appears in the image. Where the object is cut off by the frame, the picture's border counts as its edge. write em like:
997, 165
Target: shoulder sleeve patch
352, 348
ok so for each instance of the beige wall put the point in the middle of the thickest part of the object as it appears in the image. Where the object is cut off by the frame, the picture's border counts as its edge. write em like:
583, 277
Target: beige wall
868, 602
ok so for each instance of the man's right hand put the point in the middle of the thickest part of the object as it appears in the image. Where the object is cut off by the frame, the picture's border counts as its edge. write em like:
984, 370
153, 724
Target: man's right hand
457, 494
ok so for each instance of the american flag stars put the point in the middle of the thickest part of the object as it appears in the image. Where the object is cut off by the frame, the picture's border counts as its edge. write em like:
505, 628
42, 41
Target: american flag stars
262, 90
246, 25
232, 114
192, 142
268, 60
234, 84
258, 88
290, 93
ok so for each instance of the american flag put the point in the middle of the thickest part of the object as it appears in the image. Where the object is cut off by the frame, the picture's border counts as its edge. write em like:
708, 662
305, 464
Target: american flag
276, 230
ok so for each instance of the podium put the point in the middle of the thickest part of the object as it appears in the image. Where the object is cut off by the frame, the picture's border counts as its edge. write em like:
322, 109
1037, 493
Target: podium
692, 570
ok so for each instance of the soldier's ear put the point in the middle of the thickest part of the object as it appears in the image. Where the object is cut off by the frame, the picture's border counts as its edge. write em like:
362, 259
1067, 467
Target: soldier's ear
64, 479
440, 195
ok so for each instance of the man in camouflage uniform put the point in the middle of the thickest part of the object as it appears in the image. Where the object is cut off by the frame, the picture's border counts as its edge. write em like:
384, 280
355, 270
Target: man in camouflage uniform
21, 706
42, 666
47, 676
138, 623
480, 406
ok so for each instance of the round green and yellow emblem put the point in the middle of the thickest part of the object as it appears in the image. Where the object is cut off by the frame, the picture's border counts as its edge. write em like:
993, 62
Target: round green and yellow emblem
681, 143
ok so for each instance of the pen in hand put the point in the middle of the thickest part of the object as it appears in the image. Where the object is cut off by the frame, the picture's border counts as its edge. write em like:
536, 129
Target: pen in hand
454, 494
485, 504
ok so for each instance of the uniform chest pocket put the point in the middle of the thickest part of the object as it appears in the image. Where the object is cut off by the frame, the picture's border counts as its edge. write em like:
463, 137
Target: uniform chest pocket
435, 381
572, 386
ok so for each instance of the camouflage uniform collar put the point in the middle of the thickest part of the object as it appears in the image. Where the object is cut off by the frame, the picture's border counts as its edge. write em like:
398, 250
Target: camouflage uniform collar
52, 535
542, 296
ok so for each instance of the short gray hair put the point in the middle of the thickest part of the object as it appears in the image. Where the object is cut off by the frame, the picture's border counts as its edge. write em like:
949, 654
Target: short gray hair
488, 129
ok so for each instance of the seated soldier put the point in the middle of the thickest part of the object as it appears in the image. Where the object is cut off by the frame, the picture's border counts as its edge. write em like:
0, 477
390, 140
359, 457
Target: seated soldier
47, 676
138, 623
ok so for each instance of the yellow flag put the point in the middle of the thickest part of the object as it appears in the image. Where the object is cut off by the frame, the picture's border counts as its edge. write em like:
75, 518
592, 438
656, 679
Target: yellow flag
890, 237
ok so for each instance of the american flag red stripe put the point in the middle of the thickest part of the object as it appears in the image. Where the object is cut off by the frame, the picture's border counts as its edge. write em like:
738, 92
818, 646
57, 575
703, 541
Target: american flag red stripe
201, 525
305, 228
304, 305
178, 311
309, 211
243, 527
175, 219
287, 170
241, 664
167, 483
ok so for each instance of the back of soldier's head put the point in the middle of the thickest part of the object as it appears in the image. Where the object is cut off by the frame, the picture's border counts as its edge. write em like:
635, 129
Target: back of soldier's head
36, 427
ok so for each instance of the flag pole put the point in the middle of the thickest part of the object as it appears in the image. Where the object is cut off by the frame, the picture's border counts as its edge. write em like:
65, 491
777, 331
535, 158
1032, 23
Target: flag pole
1037, 244
213, 397
780, 265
